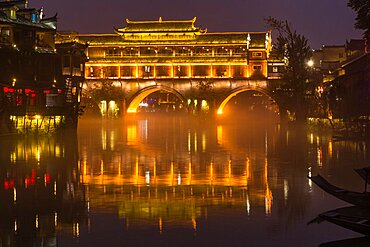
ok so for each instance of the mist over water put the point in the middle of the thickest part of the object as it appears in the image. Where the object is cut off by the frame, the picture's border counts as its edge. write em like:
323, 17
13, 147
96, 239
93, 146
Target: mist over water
175, 180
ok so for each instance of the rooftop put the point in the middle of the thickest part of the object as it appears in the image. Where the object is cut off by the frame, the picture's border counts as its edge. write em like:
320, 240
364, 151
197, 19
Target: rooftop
159, 25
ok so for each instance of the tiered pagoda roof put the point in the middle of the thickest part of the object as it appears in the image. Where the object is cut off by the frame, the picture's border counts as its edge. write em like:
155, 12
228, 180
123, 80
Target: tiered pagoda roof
187, 34
160, 26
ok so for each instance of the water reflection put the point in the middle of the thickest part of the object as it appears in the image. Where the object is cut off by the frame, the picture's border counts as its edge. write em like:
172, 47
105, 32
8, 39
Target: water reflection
172, 178
41, 193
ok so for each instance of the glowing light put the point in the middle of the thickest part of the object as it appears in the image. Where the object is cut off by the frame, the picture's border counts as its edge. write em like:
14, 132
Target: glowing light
310, 63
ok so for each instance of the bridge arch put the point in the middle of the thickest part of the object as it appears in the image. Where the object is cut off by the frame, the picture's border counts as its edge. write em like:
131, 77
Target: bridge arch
242, 89
140, 95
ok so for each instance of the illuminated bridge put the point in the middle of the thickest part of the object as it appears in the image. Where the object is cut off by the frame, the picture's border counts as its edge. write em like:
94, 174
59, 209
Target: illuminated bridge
176, 57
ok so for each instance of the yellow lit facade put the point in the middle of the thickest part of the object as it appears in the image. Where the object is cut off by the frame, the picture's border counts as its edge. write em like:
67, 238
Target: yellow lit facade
174, 50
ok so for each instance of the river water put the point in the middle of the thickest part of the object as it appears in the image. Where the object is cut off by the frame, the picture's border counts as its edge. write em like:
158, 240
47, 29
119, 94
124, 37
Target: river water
174, 181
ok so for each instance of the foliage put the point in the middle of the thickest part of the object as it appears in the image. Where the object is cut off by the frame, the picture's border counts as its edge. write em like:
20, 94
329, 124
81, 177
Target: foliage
362, 7
295, 51
107, 92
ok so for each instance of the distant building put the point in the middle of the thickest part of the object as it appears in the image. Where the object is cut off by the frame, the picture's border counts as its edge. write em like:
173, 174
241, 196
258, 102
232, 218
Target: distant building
350, 92
34, 93
329, 59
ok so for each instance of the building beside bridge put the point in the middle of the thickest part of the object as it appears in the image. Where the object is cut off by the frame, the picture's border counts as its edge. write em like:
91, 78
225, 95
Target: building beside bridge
177, 56
40, 81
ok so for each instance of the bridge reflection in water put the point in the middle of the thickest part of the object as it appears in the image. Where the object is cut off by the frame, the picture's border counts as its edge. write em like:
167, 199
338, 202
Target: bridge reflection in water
156, 178
171, 172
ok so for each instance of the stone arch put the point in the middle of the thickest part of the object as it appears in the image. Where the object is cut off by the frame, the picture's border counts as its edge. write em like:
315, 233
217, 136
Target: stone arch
140, 95
239, 90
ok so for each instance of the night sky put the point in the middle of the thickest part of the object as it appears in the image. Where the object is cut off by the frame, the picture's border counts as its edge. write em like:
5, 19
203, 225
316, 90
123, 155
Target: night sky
327, 22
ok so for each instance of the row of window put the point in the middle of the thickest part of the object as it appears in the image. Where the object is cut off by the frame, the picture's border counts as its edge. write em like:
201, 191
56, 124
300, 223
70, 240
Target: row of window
172, 71
197, 51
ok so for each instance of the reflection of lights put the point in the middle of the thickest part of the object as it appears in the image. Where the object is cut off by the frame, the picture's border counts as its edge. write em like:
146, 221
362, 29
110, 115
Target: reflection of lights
147, 177
15, 226
194, 223
131, 134
211, 171
112, 140
189, 141
76, 230
286, 189
219, 135
104, 139
268, 201
155, 168
204, 142
229, 168
171, 175
195, 142
268, 193
179, 179
247, 171
189, 173
248, 205
101, 167
204, 105
14, 195
137, 168
311, 138
55, 219
319, 157
309, 180
330, 149
37, 221
55, 188
160, 224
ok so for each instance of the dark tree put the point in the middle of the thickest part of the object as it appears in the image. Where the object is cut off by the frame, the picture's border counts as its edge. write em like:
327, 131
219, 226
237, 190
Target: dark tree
295, 51
362, 8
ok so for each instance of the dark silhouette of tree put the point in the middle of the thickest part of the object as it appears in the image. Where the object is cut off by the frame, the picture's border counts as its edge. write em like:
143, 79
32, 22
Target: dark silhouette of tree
294, 49
107, 92
362, 8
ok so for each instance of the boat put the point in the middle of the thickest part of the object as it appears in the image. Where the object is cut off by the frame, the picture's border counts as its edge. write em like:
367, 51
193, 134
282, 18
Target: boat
352, 197
355, 218
351, 242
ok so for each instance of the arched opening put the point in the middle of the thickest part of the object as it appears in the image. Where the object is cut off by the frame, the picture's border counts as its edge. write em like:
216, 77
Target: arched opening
138, 98
259, 99
90, 107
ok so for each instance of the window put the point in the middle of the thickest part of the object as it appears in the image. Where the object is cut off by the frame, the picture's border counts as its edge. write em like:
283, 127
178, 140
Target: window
257, 67
256, 54
275, 69
5, 33
66, 61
